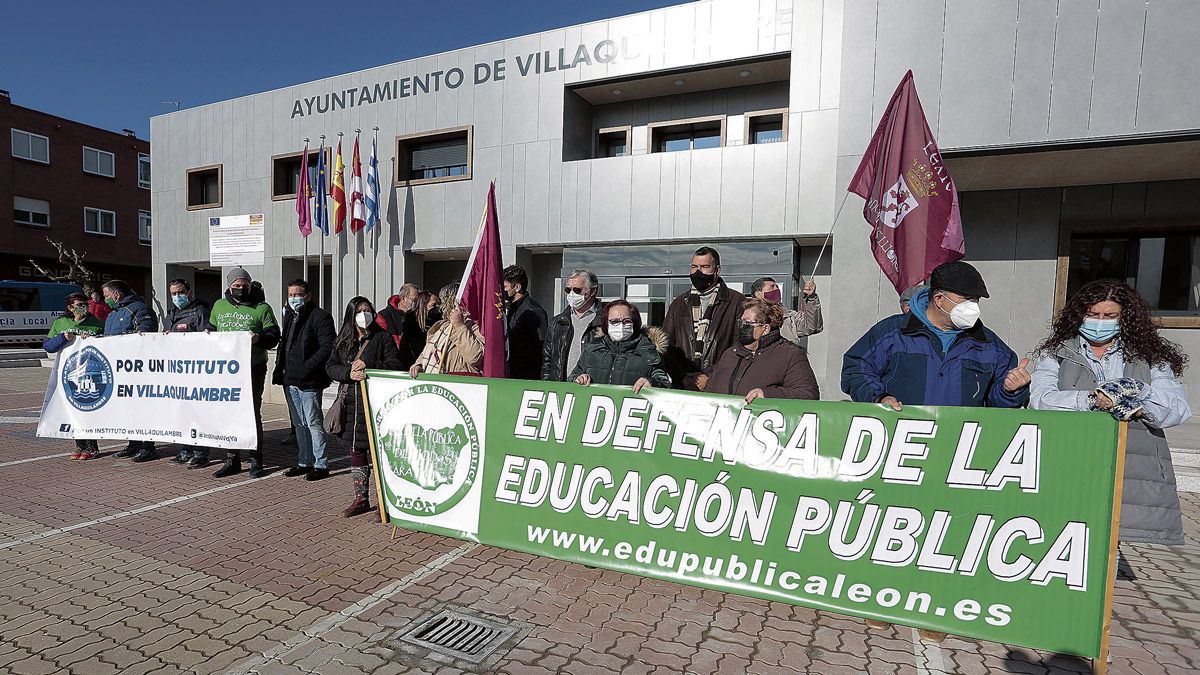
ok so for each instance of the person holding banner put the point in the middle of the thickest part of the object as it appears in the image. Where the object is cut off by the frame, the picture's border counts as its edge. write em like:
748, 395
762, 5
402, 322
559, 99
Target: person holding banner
939, 353
1105, 354
186, 315
300, 363
130, 314
701, 323
243, 309
77, 322
360, 344
763, 363
572, 329
454, 344
623, 352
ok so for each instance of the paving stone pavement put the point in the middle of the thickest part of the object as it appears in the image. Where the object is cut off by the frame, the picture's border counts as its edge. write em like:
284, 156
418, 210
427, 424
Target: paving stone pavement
267, 577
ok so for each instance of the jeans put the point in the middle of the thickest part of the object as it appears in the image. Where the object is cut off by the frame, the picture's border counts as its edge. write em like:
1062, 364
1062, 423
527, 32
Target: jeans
305, 408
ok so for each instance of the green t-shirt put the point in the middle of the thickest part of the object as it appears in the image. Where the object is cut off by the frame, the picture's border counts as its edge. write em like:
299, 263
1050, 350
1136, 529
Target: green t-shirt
88, 325
256, 318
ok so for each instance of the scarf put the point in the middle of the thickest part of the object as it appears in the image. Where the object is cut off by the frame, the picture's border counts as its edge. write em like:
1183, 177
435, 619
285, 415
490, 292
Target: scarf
703, 305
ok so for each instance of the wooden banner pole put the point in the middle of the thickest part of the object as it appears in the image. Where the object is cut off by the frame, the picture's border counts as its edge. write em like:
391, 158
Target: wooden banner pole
1100, 663
374, 463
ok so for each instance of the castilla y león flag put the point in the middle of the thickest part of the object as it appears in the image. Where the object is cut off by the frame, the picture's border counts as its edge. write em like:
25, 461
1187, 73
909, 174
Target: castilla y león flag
912, 206
481, 291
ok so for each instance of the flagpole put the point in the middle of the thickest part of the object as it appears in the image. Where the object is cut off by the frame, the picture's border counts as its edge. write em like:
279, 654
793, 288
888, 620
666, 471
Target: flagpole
299, 196
336, 263
836, 215
355, 175
378, 220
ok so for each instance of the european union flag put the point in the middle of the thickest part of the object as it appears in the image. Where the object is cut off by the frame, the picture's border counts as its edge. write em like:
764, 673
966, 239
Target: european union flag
320, 212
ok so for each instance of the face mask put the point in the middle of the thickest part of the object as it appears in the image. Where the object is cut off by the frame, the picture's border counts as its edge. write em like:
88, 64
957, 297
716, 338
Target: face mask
78, 311
295, 303
1100, 330
619, 331
576, 300
238, 293
775, 295
703, 281
745, 333
965, 314
110, 302
179, 300
364, 319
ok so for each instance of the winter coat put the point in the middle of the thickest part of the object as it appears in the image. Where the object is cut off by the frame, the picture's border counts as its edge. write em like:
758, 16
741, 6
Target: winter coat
557, 349
304, 348
131, 315
100, 310
453, 349
66, 325
408, 335
379, 354
801, 324
1150, 511
778, 367
624, 362
902, 357
527, 332
726, 312
254, 315
191, 318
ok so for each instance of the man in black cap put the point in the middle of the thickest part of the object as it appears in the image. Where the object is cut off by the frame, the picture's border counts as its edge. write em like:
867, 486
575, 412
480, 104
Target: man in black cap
939, 353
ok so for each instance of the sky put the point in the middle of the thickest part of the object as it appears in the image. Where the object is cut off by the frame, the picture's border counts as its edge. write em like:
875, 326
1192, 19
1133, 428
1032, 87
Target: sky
113, 64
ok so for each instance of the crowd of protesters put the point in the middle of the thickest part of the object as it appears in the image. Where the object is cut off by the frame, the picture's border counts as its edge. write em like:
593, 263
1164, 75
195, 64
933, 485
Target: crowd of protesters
1104, 354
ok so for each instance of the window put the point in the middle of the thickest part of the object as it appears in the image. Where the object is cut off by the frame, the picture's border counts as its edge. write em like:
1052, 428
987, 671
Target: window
31, 211
30, 146
204, 187
99, 221
144, 171
99, 162
690, 135
144, 227
766, 127
613, 142
285, 173
434, 157
1163, 264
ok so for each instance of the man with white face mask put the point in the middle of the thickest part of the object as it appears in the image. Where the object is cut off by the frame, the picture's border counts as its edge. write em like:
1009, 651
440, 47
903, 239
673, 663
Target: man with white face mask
939, 353
573, 328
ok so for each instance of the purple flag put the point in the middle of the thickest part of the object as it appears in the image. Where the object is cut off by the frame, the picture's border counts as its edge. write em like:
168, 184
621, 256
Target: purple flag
912, 206
481, 291
302, 195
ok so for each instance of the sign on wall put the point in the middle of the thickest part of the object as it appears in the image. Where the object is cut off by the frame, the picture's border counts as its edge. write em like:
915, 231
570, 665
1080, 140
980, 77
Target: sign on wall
236, 240
980, 522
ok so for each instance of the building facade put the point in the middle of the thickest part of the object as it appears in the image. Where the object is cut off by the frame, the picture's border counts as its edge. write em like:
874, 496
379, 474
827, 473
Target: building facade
85, 187
1073, 134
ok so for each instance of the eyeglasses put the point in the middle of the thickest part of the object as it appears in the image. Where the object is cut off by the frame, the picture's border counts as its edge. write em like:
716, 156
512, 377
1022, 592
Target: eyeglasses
577, 291
626, 322
756, 324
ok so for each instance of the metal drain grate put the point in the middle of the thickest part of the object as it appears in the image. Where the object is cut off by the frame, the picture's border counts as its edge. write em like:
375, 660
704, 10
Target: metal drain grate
456, 635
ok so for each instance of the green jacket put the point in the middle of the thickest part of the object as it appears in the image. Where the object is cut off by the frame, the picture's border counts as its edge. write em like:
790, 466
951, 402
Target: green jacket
624, 362
66, 325
255, 316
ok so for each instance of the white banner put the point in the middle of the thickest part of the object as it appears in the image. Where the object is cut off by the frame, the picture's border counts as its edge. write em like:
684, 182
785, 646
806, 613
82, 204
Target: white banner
187, 388
236, 240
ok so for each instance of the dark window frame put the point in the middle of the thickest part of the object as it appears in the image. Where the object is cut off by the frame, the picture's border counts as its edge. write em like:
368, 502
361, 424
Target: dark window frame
314, 154
761, 115
687, 126
220, 187
603, 134
405, 143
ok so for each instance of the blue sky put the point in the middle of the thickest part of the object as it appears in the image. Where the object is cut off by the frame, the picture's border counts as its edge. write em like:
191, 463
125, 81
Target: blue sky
112, 64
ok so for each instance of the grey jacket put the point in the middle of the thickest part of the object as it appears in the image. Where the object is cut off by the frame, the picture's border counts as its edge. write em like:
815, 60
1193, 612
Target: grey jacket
1150, 504
807, 321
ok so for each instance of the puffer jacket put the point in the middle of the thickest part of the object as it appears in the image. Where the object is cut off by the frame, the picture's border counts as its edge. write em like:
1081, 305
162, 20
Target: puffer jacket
191, 318
624, 362
558, 343
131, 315
778, 367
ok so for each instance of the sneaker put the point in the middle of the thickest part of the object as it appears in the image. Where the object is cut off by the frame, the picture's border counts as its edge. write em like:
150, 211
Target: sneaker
76, 455
145, 455
931, 635
256, 469
359, 506
129, 451
85, 456
197, 462
317, 474
179, 459
297, 471
228, 469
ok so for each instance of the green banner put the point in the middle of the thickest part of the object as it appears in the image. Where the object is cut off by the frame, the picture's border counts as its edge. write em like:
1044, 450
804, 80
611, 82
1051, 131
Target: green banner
978, 522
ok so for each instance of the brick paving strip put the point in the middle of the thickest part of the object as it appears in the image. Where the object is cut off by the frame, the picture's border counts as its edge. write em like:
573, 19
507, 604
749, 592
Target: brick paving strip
111, 567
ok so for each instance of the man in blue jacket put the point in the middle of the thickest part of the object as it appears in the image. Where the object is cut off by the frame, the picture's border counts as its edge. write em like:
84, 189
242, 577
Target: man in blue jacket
939, 353
130, 314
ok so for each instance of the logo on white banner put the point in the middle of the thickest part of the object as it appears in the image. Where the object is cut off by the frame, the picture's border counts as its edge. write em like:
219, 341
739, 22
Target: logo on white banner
87, 379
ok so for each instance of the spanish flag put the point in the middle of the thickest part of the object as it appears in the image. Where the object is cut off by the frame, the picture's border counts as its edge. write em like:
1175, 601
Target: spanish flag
339, 191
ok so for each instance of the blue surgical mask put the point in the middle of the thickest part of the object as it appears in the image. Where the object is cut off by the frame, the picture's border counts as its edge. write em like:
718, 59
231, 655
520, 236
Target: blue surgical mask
295, 303
179, 300
1100, 330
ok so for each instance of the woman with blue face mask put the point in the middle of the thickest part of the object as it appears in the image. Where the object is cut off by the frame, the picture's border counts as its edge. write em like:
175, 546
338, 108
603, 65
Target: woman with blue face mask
1105, 354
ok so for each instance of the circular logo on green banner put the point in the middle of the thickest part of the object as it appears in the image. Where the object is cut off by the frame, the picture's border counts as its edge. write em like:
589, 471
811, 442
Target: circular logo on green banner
430, 442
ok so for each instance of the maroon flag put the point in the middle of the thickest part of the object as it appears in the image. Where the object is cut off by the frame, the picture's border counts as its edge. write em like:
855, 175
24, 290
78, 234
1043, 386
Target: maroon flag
481, 291
912, 206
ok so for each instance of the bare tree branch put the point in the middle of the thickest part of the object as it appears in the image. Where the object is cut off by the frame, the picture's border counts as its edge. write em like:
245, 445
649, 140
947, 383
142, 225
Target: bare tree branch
77, 272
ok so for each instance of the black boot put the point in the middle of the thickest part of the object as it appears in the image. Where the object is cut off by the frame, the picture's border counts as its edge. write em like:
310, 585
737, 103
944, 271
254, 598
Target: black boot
256, 467
233, 464
129, 450
146, 454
